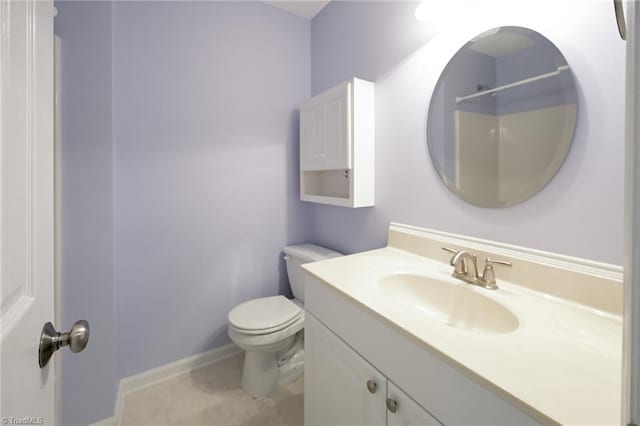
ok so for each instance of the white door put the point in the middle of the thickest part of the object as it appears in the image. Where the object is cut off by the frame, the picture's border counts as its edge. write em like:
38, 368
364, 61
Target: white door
336, 128
340, 387
26, 208
404, 411
311, 135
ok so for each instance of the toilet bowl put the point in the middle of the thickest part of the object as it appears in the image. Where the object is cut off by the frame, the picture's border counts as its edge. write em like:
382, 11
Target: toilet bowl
271, 329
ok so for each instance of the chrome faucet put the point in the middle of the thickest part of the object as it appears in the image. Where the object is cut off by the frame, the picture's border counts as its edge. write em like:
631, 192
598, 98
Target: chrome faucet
465, 268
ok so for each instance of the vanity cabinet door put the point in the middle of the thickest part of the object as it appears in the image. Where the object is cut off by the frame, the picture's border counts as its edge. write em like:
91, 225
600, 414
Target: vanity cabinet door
402, 410
336, 130
340, 387
311, 135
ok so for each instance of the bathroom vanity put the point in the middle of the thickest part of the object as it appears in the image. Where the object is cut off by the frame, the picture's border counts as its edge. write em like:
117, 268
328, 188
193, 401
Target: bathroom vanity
392, 338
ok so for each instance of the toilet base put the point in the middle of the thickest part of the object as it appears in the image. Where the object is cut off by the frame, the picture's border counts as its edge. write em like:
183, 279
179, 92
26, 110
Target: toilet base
264, 372
292, 370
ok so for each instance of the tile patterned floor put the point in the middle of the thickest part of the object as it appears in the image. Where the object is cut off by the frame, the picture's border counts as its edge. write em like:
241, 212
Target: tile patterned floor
211, 395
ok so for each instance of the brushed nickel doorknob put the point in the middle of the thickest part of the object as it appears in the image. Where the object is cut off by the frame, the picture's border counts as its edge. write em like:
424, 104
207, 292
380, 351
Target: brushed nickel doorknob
51, 340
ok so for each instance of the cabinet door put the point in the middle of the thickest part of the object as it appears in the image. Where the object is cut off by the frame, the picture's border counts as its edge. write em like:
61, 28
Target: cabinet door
407, 411
336, 128
311, 135
336, 391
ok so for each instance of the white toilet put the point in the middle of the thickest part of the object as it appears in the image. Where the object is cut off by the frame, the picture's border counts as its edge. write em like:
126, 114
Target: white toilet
271, 329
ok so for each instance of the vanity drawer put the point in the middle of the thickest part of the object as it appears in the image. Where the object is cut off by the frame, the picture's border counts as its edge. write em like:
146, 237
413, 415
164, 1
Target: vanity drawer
450, 393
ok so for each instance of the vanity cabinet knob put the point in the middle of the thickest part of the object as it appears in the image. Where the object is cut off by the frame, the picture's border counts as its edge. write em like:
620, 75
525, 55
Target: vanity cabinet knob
372, 387
392, 405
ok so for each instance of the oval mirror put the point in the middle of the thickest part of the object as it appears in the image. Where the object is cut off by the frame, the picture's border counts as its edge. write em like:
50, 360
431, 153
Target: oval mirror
502, 117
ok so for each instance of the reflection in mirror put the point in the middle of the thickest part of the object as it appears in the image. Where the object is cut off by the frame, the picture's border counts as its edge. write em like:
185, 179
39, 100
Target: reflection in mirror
502, 117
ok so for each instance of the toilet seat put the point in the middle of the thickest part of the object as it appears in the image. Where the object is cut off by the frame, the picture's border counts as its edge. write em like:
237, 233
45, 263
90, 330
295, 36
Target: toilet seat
266, 330
264, 315
264, 341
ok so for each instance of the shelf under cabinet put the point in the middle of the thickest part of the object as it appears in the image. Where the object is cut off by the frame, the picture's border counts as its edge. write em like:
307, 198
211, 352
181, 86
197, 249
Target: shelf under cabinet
334, 187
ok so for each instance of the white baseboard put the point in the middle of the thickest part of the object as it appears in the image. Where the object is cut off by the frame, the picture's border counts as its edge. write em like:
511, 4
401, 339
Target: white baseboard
111, 421
155, 375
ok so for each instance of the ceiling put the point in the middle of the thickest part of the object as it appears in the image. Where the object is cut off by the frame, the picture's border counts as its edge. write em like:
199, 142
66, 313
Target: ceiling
305, 8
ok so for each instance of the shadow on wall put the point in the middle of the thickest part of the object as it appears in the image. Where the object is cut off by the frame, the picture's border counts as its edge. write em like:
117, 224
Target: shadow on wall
368, 30
298, 218
362, 39
86, 288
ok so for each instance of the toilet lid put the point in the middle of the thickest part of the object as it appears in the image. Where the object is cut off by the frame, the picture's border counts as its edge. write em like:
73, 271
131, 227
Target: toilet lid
267, 314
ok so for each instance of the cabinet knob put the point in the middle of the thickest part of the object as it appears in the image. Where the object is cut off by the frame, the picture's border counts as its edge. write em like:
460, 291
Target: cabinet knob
392, 405
372, 387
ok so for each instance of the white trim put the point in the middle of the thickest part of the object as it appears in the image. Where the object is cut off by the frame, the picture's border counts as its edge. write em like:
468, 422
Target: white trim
631, 309
590, 283
575, 264
110, 421
156, 375
57, 205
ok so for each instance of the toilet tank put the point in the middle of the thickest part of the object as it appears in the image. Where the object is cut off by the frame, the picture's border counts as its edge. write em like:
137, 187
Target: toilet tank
298, 255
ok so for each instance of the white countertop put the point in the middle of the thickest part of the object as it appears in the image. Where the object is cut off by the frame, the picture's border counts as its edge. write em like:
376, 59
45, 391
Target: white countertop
563, 361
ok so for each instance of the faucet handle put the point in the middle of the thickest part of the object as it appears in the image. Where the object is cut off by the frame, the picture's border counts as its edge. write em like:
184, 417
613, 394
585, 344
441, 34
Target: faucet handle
460, 267
497, 262
450, 250
489, 275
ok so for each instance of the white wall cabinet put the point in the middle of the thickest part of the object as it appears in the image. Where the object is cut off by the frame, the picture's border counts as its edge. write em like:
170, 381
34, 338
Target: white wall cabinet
342, 388
337, 133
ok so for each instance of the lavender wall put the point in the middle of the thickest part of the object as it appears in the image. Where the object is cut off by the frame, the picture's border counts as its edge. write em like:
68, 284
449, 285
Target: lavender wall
579, 213
206, 169
86, 287
201, 192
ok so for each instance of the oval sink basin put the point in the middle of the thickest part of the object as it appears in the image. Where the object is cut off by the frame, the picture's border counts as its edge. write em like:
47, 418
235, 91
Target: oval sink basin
455, 305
